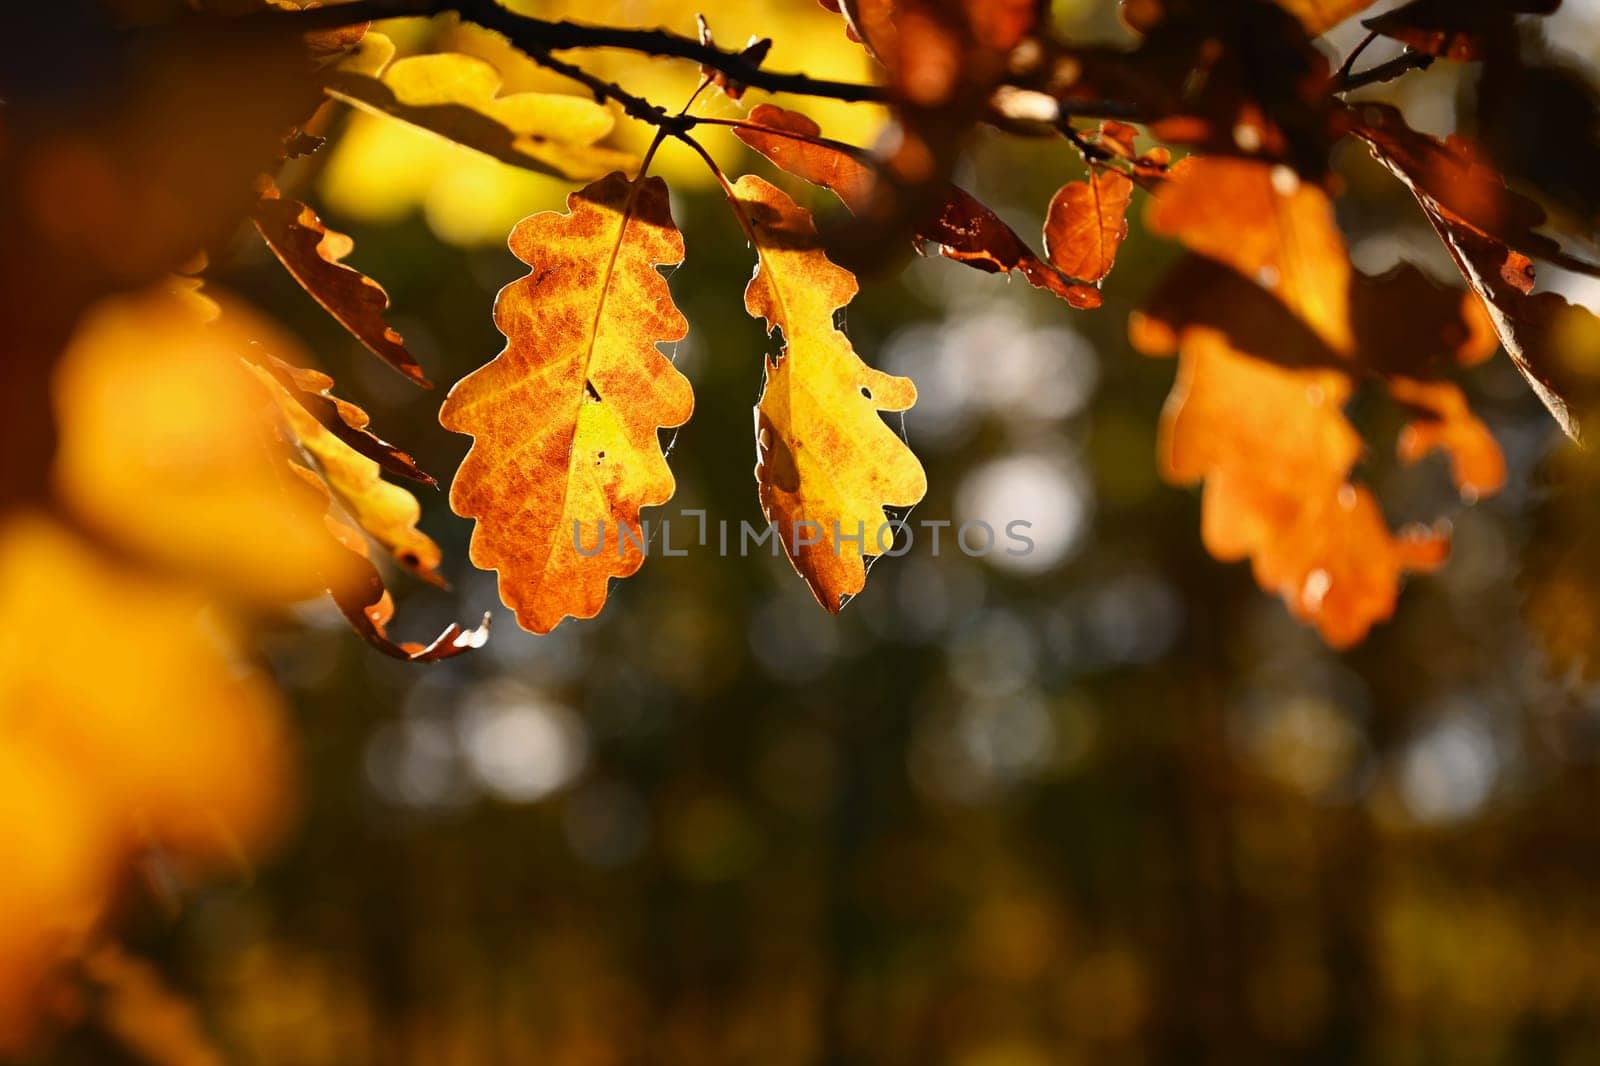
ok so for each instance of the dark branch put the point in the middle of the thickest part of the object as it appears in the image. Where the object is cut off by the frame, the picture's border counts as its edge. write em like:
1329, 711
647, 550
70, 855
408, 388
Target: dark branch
539, 37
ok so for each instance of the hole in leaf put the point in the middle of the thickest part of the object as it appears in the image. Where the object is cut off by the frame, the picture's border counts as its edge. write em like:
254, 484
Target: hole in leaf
588, 386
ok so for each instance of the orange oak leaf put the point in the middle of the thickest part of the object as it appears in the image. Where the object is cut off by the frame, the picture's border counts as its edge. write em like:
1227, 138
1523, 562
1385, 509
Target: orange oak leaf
1271, 443
962, 228
827, 464
313, 254
1087, 223
566, 418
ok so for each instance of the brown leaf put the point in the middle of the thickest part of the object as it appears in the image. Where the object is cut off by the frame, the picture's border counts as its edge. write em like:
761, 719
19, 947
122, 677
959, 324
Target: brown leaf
313, 254
1489, 232
963, 228
1462, 30
565, 420
828, 465
1087, 223
369, 608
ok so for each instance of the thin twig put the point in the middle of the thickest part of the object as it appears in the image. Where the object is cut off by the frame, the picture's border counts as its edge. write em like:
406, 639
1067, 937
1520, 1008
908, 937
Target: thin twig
1394, 68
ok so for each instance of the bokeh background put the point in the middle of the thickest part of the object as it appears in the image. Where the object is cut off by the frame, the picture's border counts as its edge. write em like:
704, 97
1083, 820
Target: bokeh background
1104, 803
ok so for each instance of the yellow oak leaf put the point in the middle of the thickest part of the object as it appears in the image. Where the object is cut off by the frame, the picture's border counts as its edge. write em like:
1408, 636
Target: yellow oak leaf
168, 447
565, 420
387, 512
456, 96
827, 464
129, 720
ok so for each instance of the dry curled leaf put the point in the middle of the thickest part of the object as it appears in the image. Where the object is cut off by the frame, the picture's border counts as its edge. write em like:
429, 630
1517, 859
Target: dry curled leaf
959, 226
827, 464
367, 605
387, 512
565, 420
1087, 223
1270, 442
312, 390
313, 254
1462, 30
1490, 232
457, 97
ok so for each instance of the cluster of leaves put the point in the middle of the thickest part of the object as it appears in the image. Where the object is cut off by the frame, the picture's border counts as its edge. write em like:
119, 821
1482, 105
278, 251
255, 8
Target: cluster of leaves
287, 489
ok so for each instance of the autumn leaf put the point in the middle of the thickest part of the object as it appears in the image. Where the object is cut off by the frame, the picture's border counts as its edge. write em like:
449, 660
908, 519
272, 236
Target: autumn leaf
1087, 223
960, 226
565, 420
368, 606
1462, 30
457, 97
386, 512
313, 254
827, 463
1319, 16
1490, 233
168, 447
1271, 443
130, 720
312, 390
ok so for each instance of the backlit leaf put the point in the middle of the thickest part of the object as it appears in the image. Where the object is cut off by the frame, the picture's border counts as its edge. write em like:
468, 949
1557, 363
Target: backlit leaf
960, 227
827, 465
1087, 223
312, 253
565, 420
168, 447
129, 721
1271, 443
457, 97
1320, 16
387, 512
311, 389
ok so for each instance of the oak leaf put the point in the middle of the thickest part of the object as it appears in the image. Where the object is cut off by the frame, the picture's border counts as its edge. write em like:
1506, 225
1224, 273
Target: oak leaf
565, 420
386, 512
312, 390
456, 96
313, 254
827, 464
168, 447
1271, 443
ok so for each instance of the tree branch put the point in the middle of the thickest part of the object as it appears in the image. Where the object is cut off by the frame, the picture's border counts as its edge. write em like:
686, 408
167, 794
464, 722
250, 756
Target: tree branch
539, 37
